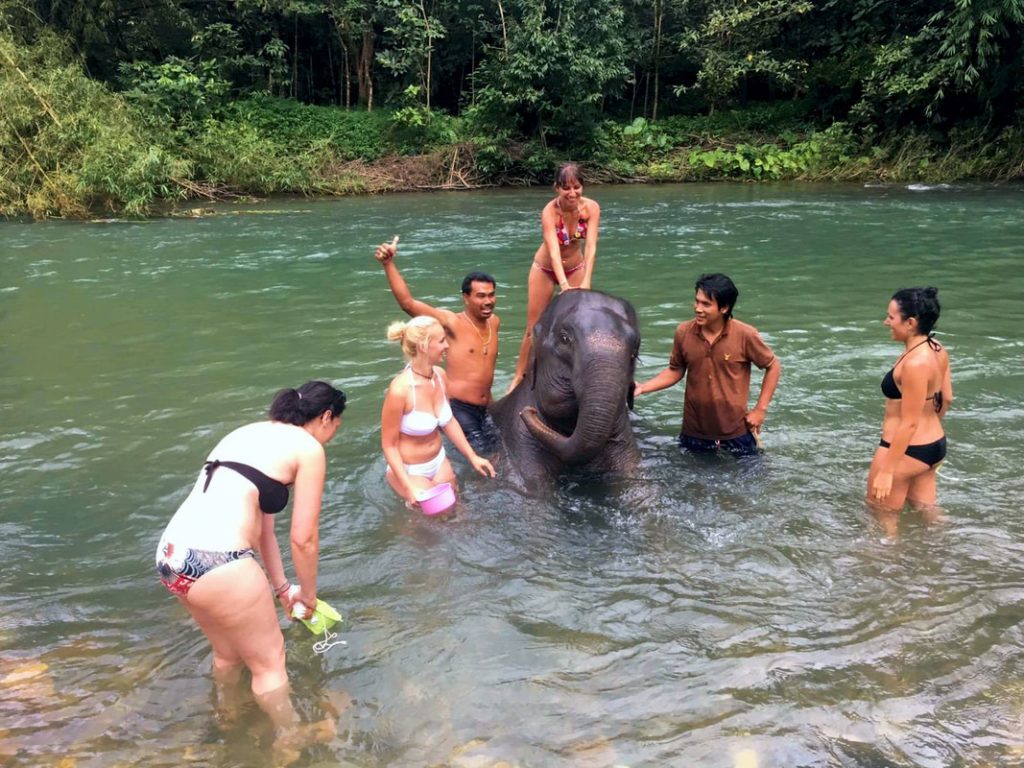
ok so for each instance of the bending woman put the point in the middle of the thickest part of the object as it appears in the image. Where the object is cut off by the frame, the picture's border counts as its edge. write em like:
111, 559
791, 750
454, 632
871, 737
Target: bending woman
566, 255
416, 411
206, 556
918, 390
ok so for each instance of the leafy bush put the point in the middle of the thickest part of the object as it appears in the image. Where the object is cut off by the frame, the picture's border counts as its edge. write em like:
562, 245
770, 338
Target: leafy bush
68, 145
351, 134
180, 90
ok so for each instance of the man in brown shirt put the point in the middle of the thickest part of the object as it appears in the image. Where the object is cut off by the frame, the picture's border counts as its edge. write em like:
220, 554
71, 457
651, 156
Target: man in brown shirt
472, 346
714, 352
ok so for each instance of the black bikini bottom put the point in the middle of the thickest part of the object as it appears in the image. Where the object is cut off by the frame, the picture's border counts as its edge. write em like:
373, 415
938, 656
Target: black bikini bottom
931, 453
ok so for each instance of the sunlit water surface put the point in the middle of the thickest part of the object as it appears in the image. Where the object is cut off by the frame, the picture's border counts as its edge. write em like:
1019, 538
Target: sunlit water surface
711, 612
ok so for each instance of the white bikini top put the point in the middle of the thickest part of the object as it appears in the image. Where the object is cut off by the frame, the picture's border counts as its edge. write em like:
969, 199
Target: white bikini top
420, 423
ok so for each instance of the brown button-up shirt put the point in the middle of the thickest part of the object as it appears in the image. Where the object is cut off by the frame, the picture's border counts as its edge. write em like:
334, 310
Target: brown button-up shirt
717, 377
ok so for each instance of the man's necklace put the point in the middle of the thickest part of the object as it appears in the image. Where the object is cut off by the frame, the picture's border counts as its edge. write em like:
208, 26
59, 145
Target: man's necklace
490, 331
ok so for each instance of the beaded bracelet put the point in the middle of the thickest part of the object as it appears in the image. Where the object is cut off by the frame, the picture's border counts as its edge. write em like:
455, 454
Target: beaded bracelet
278, 591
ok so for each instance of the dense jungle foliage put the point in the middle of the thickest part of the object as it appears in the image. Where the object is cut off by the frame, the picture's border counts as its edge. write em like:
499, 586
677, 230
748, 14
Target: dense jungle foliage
119, 104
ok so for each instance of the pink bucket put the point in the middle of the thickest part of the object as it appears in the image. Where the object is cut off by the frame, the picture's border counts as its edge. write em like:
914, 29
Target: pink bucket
436, 500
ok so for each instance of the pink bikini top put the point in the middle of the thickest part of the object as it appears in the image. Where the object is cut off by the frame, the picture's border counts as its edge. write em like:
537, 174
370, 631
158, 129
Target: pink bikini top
563, 236
421, 423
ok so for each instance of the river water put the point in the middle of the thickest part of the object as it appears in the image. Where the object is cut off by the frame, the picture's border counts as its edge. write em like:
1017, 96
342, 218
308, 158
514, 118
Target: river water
731, 613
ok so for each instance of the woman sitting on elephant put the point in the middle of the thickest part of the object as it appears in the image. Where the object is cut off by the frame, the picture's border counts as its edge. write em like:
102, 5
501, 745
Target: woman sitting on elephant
566, 223
415, 412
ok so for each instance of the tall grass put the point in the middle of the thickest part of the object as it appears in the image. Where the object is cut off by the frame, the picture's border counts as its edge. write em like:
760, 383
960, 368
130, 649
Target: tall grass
68, 146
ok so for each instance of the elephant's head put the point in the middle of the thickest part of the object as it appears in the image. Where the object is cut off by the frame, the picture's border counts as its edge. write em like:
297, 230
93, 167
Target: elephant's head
585, 347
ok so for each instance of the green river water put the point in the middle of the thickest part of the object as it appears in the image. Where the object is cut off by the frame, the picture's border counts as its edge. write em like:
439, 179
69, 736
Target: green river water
732, 611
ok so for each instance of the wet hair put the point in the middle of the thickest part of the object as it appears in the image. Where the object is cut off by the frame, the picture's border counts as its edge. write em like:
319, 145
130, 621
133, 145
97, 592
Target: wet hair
300, 406
720, 288
566, 173
478, 277
922, 303
413, 334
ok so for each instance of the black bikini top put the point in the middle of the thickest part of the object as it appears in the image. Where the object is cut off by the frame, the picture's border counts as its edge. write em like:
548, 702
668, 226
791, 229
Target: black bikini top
273, 493
892, 392
889, 388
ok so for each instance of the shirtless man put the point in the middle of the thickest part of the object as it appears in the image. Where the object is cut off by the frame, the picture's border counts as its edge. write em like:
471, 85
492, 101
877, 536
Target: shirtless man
472, 346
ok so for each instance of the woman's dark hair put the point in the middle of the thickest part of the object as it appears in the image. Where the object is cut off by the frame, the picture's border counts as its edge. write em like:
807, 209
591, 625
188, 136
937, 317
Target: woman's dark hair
478, 277
567, 172
720, 288
300, 406
922, 303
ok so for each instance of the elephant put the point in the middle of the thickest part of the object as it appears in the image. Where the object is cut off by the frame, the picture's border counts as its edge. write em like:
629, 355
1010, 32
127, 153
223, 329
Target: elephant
571, 410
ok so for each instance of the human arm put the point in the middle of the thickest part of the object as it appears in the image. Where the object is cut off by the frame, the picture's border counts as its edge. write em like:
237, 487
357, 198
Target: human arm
454, 432
947, 386
665, 379
305, 529
590, 251
755, 416
413, 307
270, 553
390, 433
913, 385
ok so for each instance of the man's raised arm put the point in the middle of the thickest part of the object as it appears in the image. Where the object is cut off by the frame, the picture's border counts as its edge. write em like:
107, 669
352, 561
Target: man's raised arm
385, 254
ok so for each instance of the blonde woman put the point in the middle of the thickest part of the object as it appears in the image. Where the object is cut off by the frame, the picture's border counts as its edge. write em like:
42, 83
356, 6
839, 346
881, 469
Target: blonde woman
416, 411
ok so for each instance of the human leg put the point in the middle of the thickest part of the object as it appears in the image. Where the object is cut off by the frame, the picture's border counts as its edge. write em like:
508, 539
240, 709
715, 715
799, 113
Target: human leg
923, 496
423, 476
744, 445
697, 444
477, 425
907, 471
234, 607
539, 291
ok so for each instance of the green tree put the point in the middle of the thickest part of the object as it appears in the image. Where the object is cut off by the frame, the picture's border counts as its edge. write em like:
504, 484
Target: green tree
353, 22
734, 41
552, 67
413, 27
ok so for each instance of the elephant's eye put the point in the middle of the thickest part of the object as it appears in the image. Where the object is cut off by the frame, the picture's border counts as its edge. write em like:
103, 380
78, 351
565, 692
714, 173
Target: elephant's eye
564, 337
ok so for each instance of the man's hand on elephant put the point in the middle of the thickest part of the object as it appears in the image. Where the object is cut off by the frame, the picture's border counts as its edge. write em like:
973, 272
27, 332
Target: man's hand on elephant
638, 389
482, 465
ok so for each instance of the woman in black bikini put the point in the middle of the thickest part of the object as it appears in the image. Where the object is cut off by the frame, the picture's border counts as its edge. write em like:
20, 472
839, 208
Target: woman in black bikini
917, 391
206, 556
566, 255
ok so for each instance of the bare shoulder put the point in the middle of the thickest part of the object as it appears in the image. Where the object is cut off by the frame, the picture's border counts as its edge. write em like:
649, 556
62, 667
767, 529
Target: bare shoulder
918, 365
399, 386
446, 318
591, 207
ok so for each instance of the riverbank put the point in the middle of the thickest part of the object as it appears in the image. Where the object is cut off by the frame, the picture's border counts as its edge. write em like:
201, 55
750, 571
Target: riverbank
72, 148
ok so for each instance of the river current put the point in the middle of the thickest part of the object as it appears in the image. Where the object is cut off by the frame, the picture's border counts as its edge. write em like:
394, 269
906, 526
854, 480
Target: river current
724, 613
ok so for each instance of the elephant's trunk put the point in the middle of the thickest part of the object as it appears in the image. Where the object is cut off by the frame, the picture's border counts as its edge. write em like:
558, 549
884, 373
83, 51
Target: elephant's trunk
601, 408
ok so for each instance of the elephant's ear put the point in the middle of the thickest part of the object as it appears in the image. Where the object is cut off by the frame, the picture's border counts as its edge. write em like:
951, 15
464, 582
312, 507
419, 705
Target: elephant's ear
533, 374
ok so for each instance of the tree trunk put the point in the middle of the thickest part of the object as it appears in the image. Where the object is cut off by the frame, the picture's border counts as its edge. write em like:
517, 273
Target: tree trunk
364, 67
659, 14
